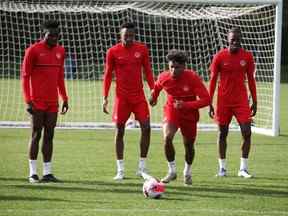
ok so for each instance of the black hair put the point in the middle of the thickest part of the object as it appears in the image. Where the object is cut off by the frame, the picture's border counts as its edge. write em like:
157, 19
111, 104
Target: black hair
50, 24
128, 25
177, 56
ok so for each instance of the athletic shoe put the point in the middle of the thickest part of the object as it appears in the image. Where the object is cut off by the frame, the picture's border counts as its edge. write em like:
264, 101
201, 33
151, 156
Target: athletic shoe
169, 177
119, 176
33, 179
140, 171
49, 178
244, 173
221, 173
187, 180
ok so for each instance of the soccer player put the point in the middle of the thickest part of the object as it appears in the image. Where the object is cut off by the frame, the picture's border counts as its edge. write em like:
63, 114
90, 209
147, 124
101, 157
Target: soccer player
186, 94
42, 78
127, 59
233, 65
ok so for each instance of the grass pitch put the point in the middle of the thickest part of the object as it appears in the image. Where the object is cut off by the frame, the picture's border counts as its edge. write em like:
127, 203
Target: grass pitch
85, 162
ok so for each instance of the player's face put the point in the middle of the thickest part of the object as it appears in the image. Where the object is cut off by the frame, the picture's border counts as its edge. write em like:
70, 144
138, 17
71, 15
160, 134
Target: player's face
52, 36
234, 41
175, 68
127, 36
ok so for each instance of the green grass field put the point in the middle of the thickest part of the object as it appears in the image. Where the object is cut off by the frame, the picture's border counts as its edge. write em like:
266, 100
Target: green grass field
85, 162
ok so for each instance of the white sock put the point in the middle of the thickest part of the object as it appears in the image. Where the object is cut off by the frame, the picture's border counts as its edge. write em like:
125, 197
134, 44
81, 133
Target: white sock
243, 163
120, 165
32, 167
187, 169
222, 163
141, 164
172, 167
47, 166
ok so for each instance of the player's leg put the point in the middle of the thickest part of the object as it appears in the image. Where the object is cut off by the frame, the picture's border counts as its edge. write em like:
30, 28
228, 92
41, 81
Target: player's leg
169, 130
47, 146
141, 112
37, 120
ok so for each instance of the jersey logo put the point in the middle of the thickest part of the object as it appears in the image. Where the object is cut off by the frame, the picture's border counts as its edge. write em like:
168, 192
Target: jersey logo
137, 55
58, 55
185, 88
242, 63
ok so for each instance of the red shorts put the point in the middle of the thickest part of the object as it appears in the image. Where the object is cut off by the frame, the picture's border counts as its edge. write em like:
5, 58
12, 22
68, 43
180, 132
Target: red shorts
123, 109
188, 127
224, 114
46, 106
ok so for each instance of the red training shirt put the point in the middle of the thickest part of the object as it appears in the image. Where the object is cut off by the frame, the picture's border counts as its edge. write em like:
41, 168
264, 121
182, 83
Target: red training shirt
188, 87
233, 70
127, 63
43, 73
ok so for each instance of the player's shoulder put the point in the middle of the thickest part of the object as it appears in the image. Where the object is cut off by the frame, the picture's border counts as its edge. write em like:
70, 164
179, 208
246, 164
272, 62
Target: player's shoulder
164, 75
140, 45
246, 53
115, 47
190, 73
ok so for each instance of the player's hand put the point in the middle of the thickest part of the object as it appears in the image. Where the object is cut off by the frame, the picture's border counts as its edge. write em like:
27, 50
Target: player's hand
178, 104
253, 109
152, 102
105, 105
65, 107
29, 108
211, 111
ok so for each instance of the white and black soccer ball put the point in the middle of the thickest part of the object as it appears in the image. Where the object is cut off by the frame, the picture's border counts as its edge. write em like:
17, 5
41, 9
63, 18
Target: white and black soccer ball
153, 188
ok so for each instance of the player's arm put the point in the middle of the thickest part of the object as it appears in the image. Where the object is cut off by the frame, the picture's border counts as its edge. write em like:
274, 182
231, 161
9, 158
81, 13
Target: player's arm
26, 70
107, 80
62, 88
147, 69
214, 71
155, 92
252, 83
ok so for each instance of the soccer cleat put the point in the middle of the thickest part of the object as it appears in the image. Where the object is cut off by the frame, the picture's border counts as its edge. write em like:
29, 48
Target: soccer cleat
187, 180
140, 171
169, 177
221, 173
33, 179
244, 173
49, 178
119, 176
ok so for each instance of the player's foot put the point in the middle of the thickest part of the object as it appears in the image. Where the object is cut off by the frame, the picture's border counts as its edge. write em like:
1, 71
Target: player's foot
119, 176
140, 171
49, 178
33, 179
244, 174
187, 180
169, 177
221, 172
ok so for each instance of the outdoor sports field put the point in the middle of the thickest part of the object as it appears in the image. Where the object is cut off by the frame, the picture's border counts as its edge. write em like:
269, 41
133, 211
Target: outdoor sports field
85, 161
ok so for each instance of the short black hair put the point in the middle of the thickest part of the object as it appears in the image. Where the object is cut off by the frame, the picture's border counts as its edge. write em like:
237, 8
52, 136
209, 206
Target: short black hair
177, 56
128, 25
236, 30
50, 24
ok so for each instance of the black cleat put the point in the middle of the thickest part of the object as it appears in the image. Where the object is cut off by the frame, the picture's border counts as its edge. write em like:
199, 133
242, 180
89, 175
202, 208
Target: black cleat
33, 179
49, 178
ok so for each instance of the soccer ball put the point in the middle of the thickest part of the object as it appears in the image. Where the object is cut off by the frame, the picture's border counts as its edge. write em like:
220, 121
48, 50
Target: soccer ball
153, 188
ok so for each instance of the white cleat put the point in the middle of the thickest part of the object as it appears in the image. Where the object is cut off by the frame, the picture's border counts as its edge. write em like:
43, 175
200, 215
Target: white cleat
187, 180
244, 174
119, 176
169, 177
140, 171
221, 173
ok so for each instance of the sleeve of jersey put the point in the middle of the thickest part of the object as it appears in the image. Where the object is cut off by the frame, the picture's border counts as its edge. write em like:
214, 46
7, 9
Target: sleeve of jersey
147, 69
251, 78
26, 71
157, 89
109, 65
214, 70
203, 98
61, 82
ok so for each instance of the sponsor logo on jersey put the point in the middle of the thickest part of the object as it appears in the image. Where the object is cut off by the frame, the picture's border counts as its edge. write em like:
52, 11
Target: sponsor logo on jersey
242, 63
58, 55
185, 88
137, 54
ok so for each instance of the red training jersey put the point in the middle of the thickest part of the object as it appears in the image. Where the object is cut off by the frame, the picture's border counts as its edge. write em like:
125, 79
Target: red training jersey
127, 63
233, 70
188, 87
43, 73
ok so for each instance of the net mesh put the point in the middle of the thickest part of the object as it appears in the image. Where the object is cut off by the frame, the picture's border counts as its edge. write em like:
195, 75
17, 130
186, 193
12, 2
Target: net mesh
89, 28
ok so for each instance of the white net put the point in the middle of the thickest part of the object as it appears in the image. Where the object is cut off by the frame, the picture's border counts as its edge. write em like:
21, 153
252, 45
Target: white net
89, 28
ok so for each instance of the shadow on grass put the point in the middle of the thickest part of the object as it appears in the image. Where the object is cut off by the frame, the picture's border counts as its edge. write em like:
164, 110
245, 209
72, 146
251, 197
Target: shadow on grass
28, 198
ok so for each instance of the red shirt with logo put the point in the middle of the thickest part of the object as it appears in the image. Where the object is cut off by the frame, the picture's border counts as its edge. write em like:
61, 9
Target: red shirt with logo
43, 73
127, 63
188, 87
233, 70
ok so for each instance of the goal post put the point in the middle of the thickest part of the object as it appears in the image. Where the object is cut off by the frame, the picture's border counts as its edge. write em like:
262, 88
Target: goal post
89, 28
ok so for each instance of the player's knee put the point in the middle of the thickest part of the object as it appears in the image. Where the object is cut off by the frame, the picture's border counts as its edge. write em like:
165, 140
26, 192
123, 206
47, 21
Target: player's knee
36, 133
168, 138
120, 131
246, 134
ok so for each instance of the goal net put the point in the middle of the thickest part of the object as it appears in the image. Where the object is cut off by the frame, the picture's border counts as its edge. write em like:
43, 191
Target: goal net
89, 28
